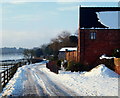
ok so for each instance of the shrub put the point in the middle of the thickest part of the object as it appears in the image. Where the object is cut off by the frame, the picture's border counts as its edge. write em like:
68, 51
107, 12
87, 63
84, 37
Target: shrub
52, 66
110, 64
116, 53
70, 66
59, 63
74, 66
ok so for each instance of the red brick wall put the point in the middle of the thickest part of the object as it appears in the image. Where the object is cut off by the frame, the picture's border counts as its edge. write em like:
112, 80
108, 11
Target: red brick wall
106, 41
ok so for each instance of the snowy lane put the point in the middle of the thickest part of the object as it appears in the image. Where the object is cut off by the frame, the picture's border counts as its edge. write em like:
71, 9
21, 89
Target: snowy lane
33, 81
31, 86
52, 87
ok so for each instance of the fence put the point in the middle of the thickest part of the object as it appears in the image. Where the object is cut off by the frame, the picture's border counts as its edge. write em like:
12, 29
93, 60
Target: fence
9, 71
71, 56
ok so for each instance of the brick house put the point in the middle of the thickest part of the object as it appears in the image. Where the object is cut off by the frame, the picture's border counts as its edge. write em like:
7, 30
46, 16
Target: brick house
94, 38
94, 43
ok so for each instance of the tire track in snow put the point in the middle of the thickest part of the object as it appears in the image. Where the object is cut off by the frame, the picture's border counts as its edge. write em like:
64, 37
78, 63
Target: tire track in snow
33, 87
53, 88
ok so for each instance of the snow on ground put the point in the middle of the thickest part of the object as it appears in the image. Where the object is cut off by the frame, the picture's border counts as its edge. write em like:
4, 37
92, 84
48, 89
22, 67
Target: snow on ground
100, 81
17, 81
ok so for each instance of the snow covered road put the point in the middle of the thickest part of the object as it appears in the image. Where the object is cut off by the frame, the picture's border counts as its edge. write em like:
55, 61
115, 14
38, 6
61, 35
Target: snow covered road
38, 83
33, 81
37, 80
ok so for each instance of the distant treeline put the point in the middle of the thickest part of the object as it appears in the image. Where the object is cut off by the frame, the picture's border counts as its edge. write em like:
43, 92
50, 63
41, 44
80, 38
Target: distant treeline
64, 39
14, 50
51, 49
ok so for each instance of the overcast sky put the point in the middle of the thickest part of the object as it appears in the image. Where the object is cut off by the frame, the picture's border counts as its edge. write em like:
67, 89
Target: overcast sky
31, 24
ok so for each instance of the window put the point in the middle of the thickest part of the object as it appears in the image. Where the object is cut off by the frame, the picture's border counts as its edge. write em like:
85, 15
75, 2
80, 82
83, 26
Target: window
93, 35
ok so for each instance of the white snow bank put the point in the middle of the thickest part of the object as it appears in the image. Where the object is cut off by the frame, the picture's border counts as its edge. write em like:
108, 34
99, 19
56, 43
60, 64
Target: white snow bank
101, 70
100, 81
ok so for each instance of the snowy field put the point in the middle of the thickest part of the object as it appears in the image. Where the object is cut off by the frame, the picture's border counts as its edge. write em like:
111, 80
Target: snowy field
100, 81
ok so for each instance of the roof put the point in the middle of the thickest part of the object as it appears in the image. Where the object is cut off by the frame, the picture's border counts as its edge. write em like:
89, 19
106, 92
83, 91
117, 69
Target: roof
89, 18
68, 49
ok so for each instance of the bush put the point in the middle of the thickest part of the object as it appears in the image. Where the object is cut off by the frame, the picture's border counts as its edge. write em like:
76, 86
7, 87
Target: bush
59, 63
70, 66
110, 64
52, 66
116, 53
74, 66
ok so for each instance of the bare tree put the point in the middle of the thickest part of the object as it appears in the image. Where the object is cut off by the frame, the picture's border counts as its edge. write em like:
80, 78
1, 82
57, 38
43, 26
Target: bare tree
28, 54
62, 40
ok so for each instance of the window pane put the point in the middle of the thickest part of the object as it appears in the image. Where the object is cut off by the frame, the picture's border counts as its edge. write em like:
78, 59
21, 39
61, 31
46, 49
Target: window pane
94, 35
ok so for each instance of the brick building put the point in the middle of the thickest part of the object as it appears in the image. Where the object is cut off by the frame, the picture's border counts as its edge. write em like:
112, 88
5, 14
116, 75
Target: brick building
94, 38
94, 43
